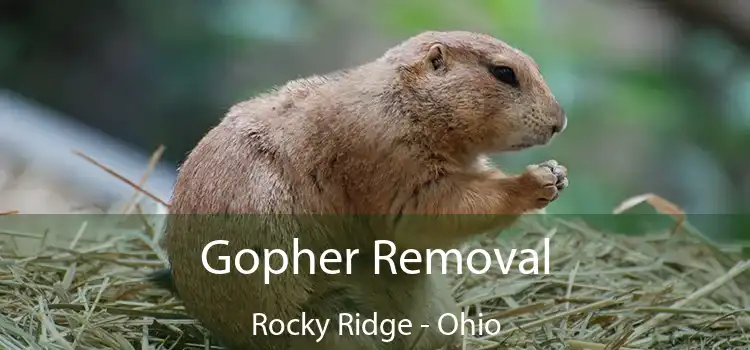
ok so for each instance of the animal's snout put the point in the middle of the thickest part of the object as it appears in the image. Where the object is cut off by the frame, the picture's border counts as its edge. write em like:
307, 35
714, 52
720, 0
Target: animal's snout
560, 126
561, 121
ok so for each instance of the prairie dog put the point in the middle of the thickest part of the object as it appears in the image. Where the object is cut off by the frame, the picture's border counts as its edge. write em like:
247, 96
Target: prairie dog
407, 133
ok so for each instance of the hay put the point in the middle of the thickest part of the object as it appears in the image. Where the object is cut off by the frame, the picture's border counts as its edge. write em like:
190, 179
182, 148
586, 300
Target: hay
665, 291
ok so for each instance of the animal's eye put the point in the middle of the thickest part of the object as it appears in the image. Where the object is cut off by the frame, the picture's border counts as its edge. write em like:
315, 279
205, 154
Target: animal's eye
504, 74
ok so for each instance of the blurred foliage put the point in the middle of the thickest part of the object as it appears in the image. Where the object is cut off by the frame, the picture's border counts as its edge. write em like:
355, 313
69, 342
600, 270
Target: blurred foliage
679, 127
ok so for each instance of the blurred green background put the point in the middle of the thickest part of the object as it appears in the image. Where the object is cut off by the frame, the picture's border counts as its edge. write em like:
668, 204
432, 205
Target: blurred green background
657, 92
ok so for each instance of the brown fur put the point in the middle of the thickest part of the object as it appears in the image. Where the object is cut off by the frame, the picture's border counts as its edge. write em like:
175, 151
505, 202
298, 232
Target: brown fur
407, 133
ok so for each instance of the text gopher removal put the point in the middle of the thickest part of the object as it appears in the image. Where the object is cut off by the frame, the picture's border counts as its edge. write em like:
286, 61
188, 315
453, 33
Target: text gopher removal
477, 261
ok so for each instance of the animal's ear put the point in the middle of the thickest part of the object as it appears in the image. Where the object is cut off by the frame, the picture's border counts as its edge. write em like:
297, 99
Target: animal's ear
436, 56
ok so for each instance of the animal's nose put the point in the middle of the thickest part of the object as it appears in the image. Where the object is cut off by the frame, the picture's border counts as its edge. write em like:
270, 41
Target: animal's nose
562, 122
560, 127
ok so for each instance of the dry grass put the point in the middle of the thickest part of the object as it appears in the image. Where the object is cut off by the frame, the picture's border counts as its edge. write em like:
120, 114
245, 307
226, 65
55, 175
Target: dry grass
663, 291
667, 291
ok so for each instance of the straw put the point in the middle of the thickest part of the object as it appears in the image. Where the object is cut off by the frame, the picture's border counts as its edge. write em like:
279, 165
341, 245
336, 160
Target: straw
663, 290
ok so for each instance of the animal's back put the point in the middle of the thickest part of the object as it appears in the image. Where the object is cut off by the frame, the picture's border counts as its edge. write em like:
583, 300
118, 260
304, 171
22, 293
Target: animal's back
247, 182
235, 167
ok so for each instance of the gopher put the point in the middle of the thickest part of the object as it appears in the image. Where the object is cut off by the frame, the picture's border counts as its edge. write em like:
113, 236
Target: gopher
395, 149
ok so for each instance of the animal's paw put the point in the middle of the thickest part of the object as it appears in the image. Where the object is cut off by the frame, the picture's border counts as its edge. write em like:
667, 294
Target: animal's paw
542, 183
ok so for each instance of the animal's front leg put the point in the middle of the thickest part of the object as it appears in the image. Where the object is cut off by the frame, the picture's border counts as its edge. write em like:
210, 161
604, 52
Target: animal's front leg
448, 211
